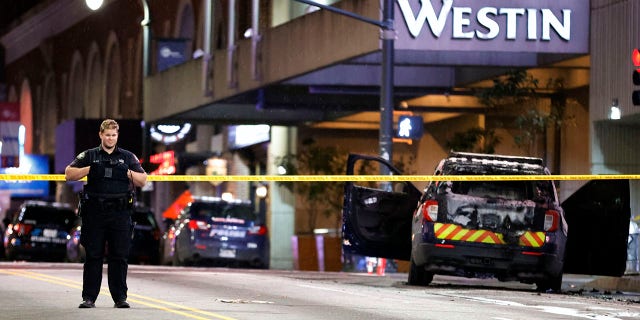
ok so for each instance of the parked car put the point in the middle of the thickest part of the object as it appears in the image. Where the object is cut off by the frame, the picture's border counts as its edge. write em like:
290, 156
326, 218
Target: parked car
214, 231
5, 222
75, 251
145, 239
167, 243
39, 231
508, 229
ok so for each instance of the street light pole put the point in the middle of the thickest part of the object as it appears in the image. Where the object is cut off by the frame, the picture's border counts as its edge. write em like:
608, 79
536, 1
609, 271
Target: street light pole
146, 35
386, 89
387, 34
146, 71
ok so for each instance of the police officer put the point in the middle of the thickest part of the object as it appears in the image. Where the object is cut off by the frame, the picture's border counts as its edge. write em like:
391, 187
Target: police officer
106, 203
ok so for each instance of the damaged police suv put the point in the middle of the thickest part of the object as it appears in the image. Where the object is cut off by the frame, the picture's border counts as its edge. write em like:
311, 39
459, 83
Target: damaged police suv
510, 229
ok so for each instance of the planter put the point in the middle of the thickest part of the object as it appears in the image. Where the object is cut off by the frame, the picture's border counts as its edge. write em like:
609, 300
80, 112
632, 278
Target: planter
317, 252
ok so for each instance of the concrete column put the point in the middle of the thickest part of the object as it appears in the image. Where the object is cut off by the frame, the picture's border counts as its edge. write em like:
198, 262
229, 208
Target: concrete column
281, 202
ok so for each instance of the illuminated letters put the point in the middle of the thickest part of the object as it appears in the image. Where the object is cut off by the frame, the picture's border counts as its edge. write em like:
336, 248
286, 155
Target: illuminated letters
487, 22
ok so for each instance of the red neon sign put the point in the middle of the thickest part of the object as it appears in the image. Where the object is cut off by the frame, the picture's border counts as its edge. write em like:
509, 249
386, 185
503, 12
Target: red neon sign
167, 162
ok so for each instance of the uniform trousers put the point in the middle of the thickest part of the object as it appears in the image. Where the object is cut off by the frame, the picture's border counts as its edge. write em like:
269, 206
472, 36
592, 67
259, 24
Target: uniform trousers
111, 231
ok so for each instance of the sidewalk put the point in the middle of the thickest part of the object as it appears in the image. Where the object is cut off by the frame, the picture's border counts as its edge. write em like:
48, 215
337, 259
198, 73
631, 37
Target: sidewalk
626, 283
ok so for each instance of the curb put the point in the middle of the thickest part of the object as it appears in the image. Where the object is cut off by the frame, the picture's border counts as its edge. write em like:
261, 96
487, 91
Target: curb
623, 284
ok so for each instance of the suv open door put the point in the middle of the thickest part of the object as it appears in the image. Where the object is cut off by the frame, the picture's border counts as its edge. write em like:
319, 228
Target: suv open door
377, 215
598, 216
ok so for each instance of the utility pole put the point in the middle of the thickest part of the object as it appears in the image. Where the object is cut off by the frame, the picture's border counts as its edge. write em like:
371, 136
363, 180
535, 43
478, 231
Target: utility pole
387, 34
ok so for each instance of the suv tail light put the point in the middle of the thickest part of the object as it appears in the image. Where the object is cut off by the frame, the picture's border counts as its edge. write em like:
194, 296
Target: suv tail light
551, 220
156, 234
258, 230
430, 210
198, 225
22, 228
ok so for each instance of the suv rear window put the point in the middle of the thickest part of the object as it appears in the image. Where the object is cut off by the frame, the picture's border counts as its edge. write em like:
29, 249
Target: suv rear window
47, 215
222, 210
508, 190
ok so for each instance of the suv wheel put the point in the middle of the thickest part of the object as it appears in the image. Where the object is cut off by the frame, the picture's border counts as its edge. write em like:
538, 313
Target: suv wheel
552, 283
9, 255
418, 276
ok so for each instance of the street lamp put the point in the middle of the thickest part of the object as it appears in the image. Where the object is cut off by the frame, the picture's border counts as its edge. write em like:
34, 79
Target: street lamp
94, 4
387, 35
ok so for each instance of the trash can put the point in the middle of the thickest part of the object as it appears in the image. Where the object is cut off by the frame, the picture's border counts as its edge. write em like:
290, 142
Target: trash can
633, 263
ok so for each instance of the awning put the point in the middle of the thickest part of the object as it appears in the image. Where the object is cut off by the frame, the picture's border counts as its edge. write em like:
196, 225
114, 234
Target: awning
174, 209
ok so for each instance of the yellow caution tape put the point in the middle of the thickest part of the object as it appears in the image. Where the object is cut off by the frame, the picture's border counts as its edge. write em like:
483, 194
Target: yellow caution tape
31, 177
337, 178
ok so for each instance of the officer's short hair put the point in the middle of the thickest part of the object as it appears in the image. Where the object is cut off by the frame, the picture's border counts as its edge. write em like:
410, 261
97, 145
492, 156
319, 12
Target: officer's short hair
109, 124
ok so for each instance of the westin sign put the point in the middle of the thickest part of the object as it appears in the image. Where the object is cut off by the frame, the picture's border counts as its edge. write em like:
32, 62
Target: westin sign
552, 26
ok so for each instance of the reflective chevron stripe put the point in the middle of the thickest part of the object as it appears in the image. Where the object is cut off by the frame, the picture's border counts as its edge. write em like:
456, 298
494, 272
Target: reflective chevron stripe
455, 232
532, 239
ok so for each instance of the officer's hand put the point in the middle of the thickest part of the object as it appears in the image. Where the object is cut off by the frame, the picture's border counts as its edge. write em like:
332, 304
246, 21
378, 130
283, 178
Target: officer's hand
120, 171
122, 166
96, 170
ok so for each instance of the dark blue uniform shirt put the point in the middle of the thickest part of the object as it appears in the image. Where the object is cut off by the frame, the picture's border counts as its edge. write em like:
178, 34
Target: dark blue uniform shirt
114, 178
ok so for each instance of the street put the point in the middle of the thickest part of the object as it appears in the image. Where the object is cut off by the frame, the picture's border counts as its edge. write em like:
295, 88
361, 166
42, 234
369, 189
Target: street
53, 291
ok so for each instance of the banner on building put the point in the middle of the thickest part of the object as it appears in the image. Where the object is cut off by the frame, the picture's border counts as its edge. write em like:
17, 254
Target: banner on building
9, 134
171, 52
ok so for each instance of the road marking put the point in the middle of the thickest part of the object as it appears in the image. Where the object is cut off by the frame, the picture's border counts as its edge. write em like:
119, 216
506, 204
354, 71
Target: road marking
139, 299
588, 314
345, 290
244, 301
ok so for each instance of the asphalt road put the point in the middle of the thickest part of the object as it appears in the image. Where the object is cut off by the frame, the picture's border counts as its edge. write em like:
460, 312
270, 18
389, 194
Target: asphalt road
52, 291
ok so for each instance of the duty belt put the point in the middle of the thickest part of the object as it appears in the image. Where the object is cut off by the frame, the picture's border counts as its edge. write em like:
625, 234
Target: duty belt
108, 201
93, 195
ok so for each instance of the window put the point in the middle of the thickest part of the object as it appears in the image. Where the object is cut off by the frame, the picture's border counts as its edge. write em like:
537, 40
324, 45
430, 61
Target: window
203, 210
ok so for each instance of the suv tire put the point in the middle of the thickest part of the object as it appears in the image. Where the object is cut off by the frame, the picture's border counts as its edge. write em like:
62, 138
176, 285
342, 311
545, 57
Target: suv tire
418, 276
552, 283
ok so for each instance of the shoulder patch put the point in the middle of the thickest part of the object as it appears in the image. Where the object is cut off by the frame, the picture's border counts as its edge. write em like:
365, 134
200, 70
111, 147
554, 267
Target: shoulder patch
81, 155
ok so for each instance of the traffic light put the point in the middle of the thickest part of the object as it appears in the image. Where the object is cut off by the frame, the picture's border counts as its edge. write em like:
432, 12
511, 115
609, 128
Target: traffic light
635, 95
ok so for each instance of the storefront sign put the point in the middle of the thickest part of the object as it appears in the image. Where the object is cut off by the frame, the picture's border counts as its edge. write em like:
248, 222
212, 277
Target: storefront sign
552, 26
30, 164
241, 136
166, 162
169, 134
9, 134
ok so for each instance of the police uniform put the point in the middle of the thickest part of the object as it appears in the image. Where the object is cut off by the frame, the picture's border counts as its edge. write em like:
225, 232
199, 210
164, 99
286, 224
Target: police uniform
105, 207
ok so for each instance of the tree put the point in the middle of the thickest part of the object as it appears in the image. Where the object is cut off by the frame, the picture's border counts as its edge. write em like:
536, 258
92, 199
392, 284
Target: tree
475, 139
520, 92
320, 197
325, 197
